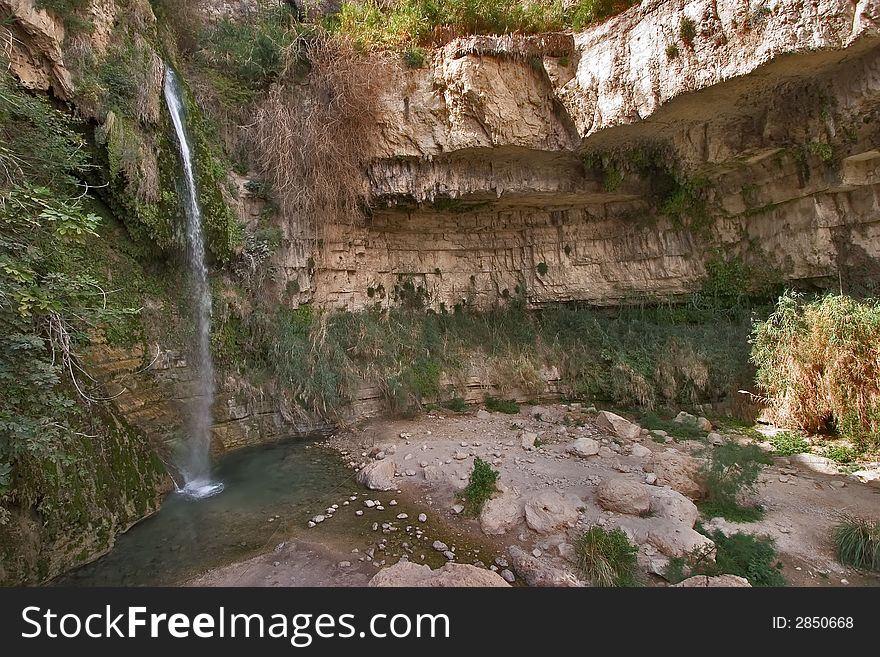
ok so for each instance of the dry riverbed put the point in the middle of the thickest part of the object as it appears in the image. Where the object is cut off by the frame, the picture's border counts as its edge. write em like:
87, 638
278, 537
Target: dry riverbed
562, 469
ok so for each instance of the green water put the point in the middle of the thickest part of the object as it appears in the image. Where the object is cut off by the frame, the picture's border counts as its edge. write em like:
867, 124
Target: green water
294, 480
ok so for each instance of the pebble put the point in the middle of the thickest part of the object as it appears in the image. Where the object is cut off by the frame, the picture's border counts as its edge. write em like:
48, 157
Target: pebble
457, 508
423, 517
359, 512
392, 503
375, 526
311, 524
402, 516
369, 504
449, 554
410, 473
508, 576
502, 562
276, 563
440, 546
345, 564
318, 519
407, 457
536, 552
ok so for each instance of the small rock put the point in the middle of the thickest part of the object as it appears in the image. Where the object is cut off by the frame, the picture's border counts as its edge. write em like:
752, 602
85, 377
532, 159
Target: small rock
640, 451
715, 439
423, 517
440, 546
457, 508
508, 576
536, 553
345, 564
483, 415
392, 503
359, 512
402, 516
369, 504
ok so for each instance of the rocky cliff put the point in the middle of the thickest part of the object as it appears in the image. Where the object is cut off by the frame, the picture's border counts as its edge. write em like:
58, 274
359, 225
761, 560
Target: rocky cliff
613, 164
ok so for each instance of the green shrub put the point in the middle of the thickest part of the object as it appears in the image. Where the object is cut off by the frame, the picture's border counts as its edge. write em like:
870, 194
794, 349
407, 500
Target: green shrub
818, 362
414, 57
607, 558
840, 453
732, 470
481, 486
456, 404
687, 31
857, 542
786, 443
672, 51
744, 555
500, 405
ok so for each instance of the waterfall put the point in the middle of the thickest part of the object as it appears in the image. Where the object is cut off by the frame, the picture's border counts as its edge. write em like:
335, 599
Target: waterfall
194, 459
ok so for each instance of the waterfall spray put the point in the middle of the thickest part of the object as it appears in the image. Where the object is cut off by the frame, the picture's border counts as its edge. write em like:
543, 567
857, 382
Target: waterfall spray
194, 461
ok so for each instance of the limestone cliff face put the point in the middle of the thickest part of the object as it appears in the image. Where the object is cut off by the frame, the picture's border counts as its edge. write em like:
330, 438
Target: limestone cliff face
480, 189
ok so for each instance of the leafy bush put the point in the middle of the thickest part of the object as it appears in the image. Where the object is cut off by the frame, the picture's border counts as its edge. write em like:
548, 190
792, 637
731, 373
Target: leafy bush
818, 362
744, 555
732, 470
500, 405
607, 558
857, 542
786, 443
481, 486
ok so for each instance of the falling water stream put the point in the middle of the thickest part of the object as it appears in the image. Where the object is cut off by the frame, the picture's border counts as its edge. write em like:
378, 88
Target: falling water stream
194, 457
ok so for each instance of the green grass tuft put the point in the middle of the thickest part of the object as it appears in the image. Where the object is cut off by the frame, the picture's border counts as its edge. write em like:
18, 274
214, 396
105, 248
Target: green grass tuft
501, 405
857, 542
607, 558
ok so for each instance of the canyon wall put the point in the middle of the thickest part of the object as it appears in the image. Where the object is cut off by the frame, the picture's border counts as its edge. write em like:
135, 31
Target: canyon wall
484, 182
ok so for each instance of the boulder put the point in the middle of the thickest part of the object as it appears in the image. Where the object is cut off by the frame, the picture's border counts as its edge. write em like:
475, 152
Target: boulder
618, 426
550, 510
669, 503
624, 495
406, 573
584, 447
540, 572
676, 539
677, 470
640, 451
707, 581
816, 463
703, 424
501, 514
527, 440
378, 475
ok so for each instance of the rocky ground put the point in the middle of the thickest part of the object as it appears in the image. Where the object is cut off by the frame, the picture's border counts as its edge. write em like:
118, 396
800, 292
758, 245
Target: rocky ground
563, 468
